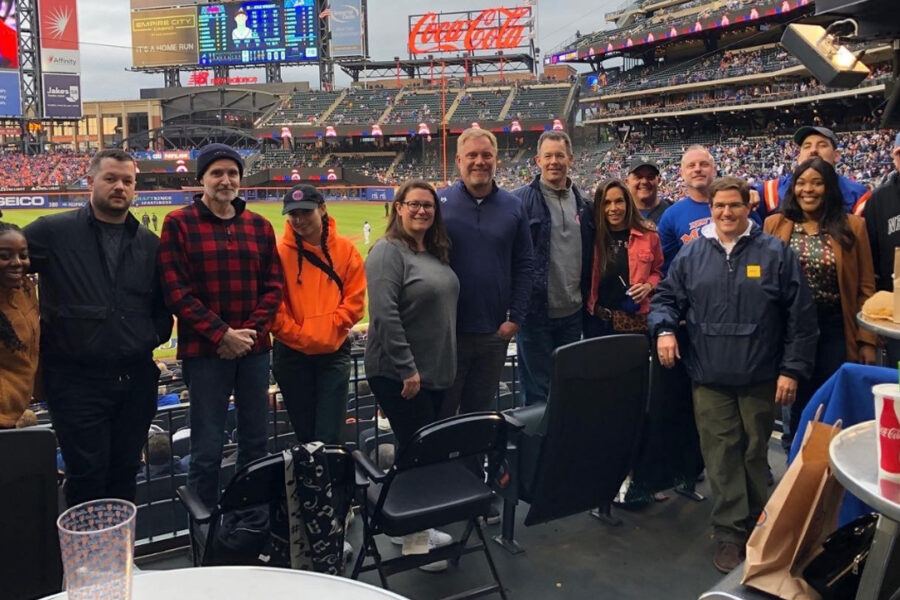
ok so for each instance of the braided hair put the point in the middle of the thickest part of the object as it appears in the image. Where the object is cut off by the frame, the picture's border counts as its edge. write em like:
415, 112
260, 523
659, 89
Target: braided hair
324, 243
8, 335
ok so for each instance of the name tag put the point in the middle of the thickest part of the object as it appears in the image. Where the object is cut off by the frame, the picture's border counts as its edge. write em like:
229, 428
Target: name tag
753, 271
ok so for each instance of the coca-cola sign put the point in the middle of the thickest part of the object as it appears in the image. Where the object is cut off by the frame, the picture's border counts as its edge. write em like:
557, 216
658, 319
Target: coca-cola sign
490, 29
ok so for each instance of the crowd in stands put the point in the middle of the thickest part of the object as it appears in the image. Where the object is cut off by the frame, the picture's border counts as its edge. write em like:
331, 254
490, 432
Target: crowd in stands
706, 68
47, 169
865, 157
724, 96
641, 27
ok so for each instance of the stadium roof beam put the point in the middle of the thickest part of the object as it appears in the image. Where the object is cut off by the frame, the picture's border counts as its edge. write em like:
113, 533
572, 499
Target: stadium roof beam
453, 66
175, 136
27, 23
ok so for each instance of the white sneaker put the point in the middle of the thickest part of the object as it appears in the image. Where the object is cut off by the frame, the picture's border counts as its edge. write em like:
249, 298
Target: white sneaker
436, 539
348, 551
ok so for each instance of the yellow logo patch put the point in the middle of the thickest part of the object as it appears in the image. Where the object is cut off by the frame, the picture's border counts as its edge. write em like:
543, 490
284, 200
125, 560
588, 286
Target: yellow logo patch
753, 271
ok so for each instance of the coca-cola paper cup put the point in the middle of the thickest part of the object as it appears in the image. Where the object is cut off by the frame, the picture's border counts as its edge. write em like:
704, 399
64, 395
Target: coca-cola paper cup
887, 418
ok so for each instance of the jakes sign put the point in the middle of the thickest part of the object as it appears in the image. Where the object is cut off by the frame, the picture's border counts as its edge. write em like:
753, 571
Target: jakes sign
491, 29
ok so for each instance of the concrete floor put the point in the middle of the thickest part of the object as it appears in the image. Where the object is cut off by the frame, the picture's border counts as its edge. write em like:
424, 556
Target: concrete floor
660, 553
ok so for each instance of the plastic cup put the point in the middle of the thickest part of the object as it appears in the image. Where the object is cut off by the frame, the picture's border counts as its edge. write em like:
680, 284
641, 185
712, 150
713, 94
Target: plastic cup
887, 420
96, 540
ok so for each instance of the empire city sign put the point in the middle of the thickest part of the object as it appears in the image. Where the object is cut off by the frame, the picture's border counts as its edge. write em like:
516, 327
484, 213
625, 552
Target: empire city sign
491, 29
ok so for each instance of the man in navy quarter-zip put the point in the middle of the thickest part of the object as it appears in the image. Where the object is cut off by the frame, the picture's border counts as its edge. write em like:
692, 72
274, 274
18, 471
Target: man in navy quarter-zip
752, 335
491, 255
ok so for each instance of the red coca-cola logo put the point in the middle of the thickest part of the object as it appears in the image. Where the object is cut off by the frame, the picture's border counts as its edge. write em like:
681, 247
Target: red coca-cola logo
890, 433
889, 436
491, 29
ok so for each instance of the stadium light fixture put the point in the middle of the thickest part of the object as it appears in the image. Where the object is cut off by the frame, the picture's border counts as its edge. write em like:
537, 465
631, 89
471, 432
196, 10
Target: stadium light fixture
821, 52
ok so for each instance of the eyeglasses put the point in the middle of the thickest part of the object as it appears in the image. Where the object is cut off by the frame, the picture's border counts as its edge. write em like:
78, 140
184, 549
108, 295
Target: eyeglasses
417, 206
733, 207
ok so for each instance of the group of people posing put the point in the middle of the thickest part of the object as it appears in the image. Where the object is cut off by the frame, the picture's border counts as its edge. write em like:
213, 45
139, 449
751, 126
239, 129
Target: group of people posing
749, 297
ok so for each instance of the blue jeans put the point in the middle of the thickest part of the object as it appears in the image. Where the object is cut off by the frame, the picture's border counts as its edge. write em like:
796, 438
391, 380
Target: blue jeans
538, 337
210, 383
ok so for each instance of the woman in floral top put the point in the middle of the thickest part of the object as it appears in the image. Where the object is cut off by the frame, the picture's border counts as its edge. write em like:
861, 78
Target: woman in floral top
836, 259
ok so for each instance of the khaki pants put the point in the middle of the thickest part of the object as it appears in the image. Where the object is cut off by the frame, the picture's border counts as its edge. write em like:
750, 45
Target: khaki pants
735, 423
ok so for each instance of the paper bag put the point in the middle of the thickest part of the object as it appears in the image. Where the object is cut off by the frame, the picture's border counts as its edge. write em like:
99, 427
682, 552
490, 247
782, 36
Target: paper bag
800, 514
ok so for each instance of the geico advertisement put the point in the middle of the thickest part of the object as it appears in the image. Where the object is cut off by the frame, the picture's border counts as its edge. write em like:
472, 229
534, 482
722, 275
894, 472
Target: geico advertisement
23, 202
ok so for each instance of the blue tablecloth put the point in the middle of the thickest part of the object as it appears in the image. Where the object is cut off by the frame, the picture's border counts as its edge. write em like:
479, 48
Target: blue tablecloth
847, 395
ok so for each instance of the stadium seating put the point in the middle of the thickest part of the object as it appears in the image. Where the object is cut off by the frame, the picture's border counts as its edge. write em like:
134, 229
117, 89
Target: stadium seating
418, 106
362, 106
480, 105
303, 107
539, 102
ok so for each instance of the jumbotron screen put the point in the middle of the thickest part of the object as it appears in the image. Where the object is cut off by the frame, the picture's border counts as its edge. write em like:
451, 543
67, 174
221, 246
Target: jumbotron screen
232, 33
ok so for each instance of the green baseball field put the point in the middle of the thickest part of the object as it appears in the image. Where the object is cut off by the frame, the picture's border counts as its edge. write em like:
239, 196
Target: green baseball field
349, 216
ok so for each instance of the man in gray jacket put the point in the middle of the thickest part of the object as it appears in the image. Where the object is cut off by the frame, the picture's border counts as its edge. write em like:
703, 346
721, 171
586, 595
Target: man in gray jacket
554, 318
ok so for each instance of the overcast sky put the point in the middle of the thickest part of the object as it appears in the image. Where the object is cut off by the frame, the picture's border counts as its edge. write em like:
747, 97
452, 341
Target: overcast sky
105, 32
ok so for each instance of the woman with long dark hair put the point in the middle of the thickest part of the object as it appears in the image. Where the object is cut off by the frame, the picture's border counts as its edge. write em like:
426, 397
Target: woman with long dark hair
19, 327
324, 296
621, 262
834, 253
411, 346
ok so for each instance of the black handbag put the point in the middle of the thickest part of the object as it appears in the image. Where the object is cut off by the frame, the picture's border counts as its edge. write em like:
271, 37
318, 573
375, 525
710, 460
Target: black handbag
835, 573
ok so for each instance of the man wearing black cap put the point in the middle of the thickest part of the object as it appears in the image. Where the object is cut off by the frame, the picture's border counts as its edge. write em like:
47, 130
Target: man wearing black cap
821, 142
324, 296
643, 182
222, 278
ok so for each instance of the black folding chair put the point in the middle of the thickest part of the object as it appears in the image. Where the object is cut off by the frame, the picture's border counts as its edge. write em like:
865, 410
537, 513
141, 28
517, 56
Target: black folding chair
430, 485
259, 484
574, 452
29, 506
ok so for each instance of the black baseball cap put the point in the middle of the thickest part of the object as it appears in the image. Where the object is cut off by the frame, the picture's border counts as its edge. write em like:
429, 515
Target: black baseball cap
642, 161
808, 130
302, 196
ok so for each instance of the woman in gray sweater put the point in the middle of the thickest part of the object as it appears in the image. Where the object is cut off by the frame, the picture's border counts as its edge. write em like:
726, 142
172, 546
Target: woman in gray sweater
411, 347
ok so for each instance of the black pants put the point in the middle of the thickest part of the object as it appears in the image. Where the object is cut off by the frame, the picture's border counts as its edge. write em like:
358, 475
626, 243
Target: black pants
669, 451
101, 420
479, 364
407, 416
831, 352
314, 388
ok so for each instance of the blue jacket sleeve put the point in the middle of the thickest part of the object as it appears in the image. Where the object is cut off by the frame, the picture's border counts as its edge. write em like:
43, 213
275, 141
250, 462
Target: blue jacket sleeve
669, 302
801, 332
522, 270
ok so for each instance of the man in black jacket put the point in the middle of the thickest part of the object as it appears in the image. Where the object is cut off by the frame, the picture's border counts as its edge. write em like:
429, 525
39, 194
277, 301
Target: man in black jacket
882, 216
752, 335
102, 314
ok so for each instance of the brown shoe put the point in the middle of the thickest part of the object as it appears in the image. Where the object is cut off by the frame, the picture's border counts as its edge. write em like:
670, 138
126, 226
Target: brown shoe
728, 556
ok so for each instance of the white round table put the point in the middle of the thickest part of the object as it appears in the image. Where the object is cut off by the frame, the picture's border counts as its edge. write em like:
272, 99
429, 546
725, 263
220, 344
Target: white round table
241, 583
854, 458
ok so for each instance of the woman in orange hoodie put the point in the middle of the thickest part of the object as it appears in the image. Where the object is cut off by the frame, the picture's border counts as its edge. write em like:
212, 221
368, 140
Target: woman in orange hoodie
19, 327
324, 296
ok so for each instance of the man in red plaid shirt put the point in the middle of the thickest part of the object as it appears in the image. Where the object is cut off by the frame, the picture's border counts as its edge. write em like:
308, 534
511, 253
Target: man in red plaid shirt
222, 278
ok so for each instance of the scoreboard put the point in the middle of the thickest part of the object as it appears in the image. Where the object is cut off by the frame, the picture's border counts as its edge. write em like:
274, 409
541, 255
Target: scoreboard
236, 33
300, 29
